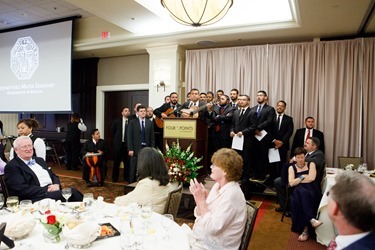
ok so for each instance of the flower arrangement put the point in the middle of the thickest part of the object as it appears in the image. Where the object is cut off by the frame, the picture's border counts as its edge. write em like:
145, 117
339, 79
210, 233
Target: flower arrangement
182, 164
52, 227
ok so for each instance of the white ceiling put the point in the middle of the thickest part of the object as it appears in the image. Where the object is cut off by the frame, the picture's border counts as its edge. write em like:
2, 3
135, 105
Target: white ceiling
133, 28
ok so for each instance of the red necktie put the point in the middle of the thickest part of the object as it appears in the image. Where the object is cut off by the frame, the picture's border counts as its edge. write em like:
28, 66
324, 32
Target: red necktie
332, 245
308, 134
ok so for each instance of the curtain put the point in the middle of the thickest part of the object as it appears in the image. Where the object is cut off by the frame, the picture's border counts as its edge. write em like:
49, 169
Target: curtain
330, 81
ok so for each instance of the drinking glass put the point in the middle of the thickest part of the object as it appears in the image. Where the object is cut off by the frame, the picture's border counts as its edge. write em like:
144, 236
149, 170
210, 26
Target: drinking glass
167, 222
364, 167
26, 205
12, 203
66, 193
43, 206
88, 200
1, 200
146, 213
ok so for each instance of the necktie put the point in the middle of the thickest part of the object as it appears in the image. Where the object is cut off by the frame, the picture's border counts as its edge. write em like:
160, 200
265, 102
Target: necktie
259, 110
143, 133
242, 111
125, 128
308, 134
332, 245
278, 122
31, 162
173, 107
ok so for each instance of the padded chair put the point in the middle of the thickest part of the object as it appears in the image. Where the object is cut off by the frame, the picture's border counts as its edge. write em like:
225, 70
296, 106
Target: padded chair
4, 188
346, 160
173, 201
252, 212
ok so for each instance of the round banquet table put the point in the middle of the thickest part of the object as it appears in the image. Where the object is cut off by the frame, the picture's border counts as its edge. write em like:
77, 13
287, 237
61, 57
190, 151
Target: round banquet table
152, 238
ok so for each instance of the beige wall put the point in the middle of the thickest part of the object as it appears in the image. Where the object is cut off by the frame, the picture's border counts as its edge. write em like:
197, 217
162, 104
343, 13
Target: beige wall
123, 70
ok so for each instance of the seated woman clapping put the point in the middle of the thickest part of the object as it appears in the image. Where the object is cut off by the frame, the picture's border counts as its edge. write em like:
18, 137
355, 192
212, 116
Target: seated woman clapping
153, 181
305, 196
221, 214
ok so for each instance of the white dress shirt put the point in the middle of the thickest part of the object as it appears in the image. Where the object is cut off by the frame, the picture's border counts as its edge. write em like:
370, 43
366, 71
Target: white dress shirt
40, 172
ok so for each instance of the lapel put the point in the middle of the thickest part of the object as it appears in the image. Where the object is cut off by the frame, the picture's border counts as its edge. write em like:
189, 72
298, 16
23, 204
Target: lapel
28, 170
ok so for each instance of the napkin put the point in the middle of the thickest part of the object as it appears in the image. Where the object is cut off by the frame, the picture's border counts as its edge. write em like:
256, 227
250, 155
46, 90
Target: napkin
82, 234
19, 224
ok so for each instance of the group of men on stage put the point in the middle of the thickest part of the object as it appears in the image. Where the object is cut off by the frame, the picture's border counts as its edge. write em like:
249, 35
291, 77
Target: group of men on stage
226, 116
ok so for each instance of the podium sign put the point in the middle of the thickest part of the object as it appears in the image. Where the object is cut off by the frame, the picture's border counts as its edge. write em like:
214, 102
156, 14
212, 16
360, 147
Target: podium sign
182, 128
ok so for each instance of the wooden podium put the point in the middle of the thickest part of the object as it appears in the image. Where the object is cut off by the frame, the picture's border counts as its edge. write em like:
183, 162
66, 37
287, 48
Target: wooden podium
188, 131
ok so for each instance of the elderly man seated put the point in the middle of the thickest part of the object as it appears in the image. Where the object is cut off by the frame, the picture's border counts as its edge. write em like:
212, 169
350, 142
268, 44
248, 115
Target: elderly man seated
31, 178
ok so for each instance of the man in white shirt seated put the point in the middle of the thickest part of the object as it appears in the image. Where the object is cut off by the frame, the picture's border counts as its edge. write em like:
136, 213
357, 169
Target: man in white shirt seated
31, 178
351, 207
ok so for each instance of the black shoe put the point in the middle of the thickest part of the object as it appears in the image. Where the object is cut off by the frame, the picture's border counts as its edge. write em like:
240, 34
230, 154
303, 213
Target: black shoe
288, 214
279, 209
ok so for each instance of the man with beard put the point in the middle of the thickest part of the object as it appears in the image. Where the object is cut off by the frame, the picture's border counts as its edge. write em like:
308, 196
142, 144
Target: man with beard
303, 134
193, 104
234, 98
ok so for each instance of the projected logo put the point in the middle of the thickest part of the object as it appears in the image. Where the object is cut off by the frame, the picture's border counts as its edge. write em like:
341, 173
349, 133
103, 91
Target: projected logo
24, 58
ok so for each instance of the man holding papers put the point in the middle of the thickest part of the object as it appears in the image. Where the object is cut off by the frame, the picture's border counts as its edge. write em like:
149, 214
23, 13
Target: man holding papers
243, 131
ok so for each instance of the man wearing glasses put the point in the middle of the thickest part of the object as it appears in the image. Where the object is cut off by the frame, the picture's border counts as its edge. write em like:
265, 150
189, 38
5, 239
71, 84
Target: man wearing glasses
30, 178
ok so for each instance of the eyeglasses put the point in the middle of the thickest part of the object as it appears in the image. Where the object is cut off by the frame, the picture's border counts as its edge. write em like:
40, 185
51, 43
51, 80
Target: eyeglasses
25, 147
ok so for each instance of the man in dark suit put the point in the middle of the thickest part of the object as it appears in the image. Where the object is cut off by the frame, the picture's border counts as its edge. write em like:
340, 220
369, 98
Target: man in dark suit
94, 165
140, 135
219, 118
351, 205
135, 115
244, 124
30, 178
120, 148
234, 98
193, 104
259, 149
283, 130
302, 134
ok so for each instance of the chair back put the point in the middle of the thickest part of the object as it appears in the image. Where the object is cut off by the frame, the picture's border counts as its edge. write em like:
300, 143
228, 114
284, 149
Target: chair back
346, 160
173, 201
4, 188
252, 212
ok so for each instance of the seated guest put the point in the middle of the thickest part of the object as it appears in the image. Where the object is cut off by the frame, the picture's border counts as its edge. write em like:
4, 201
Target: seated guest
94, 152
26, 127
153, 181
306, 194
30, 178
351, 207
221, 214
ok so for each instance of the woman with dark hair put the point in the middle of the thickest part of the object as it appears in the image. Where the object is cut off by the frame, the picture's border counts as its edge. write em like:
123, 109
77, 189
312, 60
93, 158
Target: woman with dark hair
72, 143
26, 127
305, 196
153, 181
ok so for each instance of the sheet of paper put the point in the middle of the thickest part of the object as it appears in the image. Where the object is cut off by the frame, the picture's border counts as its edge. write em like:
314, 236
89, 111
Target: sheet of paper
237, 142
273, 155
263, 134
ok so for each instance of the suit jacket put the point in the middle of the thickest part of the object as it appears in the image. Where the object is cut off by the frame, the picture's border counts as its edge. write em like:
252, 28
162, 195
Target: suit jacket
299, 138
245, 124
318, 158
89, 146
135, 135
285, 132
22, 181
223, 120
116, 131
165, 107
266, 120
202, 114
366, 243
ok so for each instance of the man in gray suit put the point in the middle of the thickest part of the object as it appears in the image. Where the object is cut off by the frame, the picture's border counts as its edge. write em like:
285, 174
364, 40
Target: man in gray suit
140, 135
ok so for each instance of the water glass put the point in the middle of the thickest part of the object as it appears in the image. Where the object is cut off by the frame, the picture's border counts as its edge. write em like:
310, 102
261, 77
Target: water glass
12, 203
167, 222
88, 200
44, 206
364, 167
26, 205
2, 200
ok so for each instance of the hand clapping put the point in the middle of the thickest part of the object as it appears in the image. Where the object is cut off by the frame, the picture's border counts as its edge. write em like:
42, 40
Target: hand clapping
197, 190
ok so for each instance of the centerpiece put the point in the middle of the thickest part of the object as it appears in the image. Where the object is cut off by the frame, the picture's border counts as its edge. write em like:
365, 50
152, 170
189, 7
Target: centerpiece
182, 164
52, 227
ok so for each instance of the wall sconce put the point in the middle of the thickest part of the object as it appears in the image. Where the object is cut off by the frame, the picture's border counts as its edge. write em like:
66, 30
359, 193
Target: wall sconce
161, 84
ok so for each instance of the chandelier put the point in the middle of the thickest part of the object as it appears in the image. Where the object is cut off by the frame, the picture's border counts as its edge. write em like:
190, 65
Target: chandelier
197, 12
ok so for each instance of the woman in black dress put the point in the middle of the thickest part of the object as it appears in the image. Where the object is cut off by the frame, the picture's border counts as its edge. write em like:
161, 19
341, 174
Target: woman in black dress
305, 196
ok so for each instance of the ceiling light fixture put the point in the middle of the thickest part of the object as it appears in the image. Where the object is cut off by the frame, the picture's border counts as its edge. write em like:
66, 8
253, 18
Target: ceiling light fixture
197, 12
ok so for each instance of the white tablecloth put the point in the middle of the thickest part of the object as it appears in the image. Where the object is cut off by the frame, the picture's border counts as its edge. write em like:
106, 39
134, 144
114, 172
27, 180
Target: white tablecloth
152, 239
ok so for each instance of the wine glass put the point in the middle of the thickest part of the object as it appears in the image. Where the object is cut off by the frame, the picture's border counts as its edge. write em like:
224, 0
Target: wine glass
1, 200
167, 222
66, 193
12, 203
